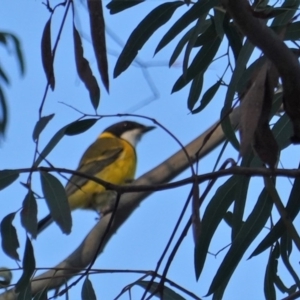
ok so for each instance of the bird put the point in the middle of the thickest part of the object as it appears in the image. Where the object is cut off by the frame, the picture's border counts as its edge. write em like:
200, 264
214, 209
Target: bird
112, 158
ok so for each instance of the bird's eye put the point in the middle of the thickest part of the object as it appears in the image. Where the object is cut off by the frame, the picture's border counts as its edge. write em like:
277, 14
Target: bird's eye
125, 125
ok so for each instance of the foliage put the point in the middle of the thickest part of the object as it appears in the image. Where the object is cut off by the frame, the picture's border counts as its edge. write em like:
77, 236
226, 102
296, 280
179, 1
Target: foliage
202, 32
8, 41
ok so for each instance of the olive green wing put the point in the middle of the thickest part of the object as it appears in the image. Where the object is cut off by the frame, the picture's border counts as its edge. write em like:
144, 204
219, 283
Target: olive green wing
92, 166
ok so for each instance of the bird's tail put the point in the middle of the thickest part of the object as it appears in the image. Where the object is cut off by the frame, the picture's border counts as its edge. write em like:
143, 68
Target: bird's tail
44, 223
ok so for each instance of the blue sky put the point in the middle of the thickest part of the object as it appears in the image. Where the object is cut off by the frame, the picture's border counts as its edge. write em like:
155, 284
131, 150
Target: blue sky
140, 241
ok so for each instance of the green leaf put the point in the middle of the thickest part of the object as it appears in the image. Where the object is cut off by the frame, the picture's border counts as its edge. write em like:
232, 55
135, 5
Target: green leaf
218, 20
51, 144
241, 63
292, 7
97, 27
3, 109
195, 91
25, 294
10, 242
213, 215
243, 82
239, 205
207, 96
5, 277
168, 294
239, 69
7, 177
285, 251
47, 55
57, 201
251, 228
199, 64
178, 49
116, 6
208, 35
81, 126
198, 28
269, 288
84, 70
29, 214
4, 76
292, 209
198, 9
229, 131
87, 291
40, 126
42, 295
28, 267
19, 53
283, 130
233, 36
140, 35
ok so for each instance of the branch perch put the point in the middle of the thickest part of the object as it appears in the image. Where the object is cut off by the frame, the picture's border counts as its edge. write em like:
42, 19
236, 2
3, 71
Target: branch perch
163, 173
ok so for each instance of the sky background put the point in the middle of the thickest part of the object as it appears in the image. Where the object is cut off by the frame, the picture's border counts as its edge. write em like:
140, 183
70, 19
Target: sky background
139, 243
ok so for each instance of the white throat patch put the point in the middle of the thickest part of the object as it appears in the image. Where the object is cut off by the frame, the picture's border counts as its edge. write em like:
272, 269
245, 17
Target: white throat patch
132, 136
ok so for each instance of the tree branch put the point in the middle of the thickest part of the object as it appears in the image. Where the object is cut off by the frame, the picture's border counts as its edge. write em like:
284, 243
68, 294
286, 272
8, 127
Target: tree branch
163, 173
278, 53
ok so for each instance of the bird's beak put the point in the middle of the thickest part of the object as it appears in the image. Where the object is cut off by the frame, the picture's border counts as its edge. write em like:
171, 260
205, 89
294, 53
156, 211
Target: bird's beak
148, 128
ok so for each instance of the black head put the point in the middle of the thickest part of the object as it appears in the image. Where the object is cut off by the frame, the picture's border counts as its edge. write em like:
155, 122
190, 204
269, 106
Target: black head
121, 127
129, 130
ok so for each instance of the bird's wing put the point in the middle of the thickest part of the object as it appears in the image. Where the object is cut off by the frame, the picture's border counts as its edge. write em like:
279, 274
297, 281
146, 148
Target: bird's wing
92, 168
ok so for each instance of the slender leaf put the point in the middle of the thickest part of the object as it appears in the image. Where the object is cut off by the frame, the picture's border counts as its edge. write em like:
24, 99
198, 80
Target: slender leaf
178, 49
87, 291
51, 144
213, 215
239, 205
168, 294
269, 288
19, 53
208, 35
292, 7
97, 27
140, 35
81, 126
195, 91
3, 109
243, 59
207, 97
42, 295
57, 201
183, 41
7, 177
292, 208
199, 64
233, 36
25, 294
40, 126
28, 267
198, 9
4, 76
116, 6
252, 227
10, 242
283, 131
285, 251
47, 57
29, 214
198, 28
218, 20
84, 71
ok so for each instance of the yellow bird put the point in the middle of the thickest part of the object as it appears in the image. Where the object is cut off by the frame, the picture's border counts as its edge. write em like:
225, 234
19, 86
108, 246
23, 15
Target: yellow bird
112, 158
